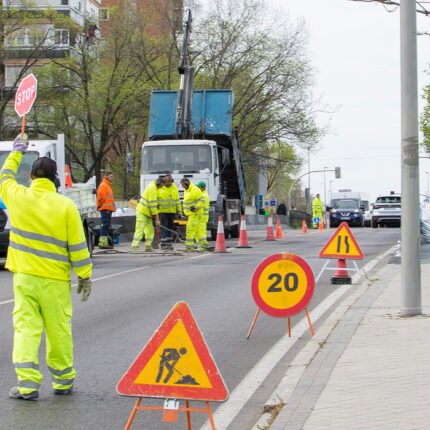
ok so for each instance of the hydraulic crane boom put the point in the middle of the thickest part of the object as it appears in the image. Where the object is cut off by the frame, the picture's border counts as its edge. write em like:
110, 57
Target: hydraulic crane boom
184, 124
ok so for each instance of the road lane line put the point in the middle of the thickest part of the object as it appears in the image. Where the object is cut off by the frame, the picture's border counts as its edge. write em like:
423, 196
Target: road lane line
102, 278
227, 412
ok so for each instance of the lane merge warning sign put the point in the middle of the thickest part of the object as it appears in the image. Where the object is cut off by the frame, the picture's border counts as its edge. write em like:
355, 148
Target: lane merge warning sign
176, 363
342, 245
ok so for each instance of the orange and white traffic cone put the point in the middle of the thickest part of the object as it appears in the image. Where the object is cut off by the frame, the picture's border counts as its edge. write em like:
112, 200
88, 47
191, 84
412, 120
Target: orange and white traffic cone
341, 275
220, 245
67, 176
321, 226
304, 227
243, 238
270, 235
279, 233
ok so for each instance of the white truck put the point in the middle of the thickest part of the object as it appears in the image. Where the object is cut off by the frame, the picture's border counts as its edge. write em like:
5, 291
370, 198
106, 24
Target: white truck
82, 194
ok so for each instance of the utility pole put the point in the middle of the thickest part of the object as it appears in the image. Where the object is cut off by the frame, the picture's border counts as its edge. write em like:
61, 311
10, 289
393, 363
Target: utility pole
410, 230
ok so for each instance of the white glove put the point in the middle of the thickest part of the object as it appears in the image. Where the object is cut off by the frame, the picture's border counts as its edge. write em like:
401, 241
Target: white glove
84, 286
20, 144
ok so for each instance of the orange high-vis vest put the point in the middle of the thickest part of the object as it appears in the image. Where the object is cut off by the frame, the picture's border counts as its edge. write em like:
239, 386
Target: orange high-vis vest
105, 200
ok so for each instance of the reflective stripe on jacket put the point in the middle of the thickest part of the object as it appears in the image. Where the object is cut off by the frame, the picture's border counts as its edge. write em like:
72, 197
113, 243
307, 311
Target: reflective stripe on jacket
168, 199
317, 206
46, 237
148, 203
105, 199
206, 204
193, 197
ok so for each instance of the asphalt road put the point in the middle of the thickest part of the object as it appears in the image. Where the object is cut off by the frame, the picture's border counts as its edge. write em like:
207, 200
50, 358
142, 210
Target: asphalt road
132, 295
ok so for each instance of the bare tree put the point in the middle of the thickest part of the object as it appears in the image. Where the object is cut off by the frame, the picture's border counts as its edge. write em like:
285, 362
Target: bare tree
26, 37
391, 5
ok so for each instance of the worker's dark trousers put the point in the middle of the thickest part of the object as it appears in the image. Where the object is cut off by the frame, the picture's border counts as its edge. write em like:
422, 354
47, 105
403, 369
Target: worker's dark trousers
166, 237
106, 219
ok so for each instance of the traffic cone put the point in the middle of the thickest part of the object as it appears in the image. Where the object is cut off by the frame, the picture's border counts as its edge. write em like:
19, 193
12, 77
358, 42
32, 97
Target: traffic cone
304, 227
270, 235
279, 233
341, 275
321, 226
67, 176
243, 238
220, 245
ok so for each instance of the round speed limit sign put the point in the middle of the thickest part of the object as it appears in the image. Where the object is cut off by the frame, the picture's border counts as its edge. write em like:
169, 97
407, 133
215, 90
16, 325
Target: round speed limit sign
282, 285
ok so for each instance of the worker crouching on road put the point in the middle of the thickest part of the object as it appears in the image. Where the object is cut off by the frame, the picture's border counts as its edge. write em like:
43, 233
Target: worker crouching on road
106, 206
202, 231
169, 206
193, 209
46, 240
147, 216
317, 210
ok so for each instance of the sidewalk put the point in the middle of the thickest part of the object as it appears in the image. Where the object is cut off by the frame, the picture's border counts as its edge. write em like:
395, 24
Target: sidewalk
373, 371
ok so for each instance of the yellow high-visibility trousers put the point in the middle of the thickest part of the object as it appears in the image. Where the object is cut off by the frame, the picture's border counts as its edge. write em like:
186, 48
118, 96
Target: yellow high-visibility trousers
192, 232
42, 303
144, 226
202, 241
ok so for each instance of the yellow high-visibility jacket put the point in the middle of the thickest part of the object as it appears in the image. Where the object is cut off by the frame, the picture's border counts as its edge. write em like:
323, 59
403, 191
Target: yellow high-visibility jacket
148, 203
193, 197
168, 199
46, 237
206, 204
317, 206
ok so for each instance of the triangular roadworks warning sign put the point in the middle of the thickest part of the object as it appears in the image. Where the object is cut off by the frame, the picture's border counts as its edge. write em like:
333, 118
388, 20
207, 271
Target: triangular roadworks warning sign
342, 245
176, 363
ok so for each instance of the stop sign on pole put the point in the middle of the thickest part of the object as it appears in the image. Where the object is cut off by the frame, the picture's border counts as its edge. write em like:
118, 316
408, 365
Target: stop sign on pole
26, 95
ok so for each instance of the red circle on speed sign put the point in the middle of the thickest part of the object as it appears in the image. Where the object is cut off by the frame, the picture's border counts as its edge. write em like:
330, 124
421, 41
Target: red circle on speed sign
26, 95
282, 285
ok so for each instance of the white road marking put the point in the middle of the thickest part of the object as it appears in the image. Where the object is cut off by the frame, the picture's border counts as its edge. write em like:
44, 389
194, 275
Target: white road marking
228, 411
113, 275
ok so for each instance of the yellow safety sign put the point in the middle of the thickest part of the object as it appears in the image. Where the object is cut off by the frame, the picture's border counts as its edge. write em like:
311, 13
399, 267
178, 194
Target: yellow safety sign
342, 245
176, 363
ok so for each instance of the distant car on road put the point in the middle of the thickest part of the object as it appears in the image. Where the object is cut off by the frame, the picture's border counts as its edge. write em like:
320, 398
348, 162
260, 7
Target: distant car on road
367, 213
387, 210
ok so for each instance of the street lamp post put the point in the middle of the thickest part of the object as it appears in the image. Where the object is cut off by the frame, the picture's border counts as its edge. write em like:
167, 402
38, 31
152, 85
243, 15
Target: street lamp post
325, 194
329, 190
428, 188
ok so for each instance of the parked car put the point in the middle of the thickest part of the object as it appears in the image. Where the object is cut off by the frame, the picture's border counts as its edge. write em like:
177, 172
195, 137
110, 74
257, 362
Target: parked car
387, 210
367, 213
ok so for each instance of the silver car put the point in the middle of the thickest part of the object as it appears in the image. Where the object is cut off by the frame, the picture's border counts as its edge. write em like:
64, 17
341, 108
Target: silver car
387, 210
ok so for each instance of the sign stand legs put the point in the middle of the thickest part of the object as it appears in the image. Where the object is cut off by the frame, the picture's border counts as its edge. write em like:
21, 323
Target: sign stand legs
254, 320
311, 329
187, 408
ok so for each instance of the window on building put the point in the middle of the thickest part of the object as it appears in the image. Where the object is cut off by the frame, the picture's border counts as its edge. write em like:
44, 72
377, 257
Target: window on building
61, 37
11, 75
64, 2
103, 14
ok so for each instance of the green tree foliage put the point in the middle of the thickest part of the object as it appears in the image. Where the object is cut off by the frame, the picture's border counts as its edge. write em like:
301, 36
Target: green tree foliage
266, 65
425, 120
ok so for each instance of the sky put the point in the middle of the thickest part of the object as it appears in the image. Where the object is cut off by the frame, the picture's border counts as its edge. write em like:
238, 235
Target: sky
354, 49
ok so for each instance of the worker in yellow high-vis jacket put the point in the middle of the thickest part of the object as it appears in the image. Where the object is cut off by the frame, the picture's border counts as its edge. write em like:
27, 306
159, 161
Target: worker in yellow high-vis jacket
46, 240
169, 206
203, 225
147, 216
193, 209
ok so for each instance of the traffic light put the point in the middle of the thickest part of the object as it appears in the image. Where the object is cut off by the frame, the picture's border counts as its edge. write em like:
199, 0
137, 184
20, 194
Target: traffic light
337, 172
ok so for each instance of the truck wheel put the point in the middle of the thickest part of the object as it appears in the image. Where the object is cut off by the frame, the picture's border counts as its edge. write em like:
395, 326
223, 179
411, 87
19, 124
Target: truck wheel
234, 232
374, 224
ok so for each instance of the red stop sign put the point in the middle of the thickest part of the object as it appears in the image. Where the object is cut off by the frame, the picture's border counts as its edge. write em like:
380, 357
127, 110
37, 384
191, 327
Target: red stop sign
26, 95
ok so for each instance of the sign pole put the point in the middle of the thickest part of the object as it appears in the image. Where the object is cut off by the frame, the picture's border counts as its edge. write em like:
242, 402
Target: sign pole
23, 126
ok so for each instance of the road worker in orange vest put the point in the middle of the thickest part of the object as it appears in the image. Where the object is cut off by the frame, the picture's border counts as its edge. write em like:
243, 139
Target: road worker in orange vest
106, 206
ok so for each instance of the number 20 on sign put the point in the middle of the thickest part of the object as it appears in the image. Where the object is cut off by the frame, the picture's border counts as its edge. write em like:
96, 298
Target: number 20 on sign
282, 286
